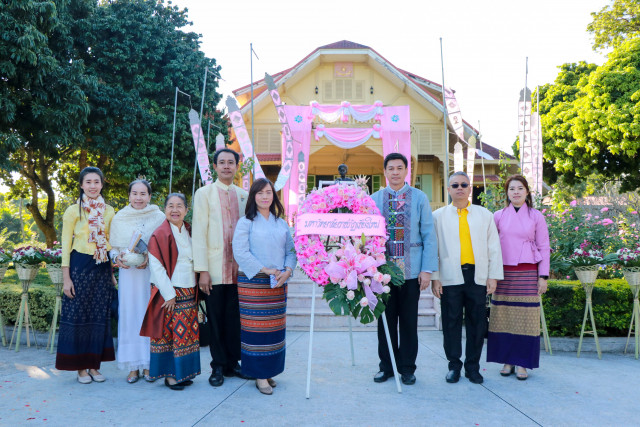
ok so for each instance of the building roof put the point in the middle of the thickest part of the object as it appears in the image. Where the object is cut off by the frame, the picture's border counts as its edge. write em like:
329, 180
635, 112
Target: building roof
431, 90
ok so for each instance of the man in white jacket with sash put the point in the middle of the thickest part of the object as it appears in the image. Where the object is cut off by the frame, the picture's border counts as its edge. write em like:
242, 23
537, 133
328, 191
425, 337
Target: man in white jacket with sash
216, 210
470, 265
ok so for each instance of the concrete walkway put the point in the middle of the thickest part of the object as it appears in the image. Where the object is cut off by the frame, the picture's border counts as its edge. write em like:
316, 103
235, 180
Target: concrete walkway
565, 391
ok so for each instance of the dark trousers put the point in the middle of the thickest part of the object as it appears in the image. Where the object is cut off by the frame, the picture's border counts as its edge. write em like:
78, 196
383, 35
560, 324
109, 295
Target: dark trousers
472, 298
223, 313
402, 314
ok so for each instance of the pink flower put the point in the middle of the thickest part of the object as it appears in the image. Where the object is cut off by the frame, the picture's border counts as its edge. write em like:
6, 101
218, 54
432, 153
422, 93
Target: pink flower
573, 203
544, 210
351, 295
364, 302
607, 221
577, 228
605, 209
634, 212
568, 277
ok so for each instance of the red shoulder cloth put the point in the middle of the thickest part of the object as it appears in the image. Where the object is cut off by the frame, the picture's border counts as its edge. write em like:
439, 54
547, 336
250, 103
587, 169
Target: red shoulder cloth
162, 246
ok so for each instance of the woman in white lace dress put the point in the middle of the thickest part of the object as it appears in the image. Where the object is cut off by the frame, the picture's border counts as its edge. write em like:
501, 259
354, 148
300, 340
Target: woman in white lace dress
134, 281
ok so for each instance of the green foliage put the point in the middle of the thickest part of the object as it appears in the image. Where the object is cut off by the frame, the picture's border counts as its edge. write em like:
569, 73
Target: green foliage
615, 23
596, 128
564, 304
86, 82
493, 197
396, 273
41, 299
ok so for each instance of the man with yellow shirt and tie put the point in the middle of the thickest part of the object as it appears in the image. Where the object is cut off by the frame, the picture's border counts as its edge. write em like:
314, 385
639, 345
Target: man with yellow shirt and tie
470, 265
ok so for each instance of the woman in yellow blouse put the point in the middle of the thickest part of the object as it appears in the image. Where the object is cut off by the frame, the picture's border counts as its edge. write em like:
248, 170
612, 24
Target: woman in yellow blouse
85, 338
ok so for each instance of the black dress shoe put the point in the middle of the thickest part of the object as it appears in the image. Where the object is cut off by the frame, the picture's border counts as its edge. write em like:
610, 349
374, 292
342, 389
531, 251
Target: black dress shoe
453, 376
177, 386
236, 371
408, 379
186, 383
474, 377
382, 376
216, 379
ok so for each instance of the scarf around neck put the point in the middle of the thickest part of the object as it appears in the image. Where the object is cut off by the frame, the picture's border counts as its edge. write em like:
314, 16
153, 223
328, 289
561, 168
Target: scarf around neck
95, 218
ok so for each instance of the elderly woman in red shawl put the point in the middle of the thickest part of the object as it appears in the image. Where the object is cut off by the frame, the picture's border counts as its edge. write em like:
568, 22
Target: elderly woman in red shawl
175, 348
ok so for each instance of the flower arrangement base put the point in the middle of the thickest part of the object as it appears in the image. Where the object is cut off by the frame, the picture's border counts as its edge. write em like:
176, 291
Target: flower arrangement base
588, 312
55, 274
26, 276
632, 275
3, 335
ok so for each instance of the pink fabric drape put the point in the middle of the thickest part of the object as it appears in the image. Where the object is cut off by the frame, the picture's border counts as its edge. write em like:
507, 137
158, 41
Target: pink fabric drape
347, 137
332, 113
293, 192
396, 133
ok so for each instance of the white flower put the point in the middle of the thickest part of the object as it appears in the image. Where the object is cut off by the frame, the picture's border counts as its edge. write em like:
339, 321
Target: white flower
367, 281
343, 284
386, 289
351, 295
364, 302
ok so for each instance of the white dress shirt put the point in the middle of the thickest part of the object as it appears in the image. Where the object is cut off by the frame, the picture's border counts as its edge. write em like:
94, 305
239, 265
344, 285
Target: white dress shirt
183, 274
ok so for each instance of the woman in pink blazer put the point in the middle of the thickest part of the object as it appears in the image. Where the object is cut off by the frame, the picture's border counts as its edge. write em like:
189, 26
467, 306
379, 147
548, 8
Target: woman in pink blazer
514, 326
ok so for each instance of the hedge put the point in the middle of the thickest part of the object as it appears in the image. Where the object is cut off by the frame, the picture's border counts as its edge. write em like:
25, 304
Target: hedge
563, 305
612, 307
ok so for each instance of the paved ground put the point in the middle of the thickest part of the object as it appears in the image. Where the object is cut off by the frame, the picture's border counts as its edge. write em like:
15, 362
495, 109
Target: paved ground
565, 391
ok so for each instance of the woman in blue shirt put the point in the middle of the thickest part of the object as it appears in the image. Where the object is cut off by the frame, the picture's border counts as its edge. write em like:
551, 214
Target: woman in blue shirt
264, 251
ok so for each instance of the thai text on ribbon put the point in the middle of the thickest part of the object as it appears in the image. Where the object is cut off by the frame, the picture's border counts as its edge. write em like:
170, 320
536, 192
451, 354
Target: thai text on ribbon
340, 224
240, 129
287, 158
201, 148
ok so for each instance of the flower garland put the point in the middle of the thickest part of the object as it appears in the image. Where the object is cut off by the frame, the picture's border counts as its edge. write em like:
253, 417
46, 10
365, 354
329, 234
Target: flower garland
353, 271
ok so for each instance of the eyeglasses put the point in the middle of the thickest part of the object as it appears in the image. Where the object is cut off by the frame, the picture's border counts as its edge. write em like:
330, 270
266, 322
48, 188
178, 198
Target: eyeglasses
456, 185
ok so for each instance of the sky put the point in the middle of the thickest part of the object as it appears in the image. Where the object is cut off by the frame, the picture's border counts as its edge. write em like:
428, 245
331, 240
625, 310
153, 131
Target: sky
485, 43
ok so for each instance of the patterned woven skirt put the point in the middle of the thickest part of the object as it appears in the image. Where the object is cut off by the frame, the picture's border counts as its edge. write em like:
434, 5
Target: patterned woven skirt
263, 324
514, 325
177, 353
85, 337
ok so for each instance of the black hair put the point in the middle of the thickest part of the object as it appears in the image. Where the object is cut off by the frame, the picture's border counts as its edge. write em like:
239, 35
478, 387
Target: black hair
395, 156
528, 200
84, 172
251, 211
140, 181
225, 150
178, 195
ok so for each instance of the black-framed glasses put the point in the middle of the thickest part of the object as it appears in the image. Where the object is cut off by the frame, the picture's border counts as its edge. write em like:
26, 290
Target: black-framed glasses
456, 185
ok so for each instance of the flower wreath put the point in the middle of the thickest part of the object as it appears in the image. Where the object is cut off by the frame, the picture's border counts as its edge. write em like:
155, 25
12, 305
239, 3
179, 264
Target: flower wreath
353, 271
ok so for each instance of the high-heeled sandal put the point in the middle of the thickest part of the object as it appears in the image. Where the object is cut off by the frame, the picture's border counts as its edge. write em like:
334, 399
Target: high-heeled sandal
507, 372
522, 376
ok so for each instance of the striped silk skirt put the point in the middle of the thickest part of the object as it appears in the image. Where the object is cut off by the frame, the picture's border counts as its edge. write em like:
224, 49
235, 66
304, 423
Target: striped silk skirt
263, 324
514, 325
85, 337
177, 353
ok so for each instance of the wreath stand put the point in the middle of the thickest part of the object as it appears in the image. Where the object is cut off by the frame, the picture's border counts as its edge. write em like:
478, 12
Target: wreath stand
353, 363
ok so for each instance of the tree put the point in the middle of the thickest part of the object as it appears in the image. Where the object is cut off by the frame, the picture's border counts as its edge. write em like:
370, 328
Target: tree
591, 118
42, 99
615, 23
139, 53
556, 112
95, 84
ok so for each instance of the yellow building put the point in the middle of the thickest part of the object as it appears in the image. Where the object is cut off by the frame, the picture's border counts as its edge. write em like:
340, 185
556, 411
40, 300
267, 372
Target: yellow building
347, 71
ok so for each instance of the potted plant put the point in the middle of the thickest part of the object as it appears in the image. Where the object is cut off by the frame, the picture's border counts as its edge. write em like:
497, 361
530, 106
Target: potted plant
53, 260
5, 259
629, 260
27, 260
586, 261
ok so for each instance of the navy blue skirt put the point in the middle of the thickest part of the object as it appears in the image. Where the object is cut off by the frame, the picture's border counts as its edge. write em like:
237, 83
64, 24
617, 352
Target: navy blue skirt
85, 340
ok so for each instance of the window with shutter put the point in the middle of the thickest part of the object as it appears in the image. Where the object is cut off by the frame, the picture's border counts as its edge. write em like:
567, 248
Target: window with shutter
359, 91
339, 89
327, 90
376, 183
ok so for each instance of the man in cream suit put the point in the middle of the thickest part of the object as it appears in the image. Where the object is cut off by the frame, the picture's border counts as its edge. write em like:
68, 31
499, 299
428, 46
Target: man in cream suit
470, 265
216, 210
